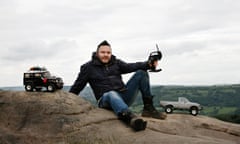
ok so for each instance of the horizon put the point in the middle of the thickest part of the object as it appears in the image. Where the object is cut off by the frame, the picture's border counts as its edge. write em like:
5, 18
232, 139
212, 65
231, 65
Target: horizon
173, 85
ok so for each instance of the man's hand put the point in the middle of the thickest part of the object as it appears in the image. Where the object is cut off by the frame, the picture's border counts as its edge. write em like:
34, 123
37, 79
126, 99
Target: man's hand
155, 64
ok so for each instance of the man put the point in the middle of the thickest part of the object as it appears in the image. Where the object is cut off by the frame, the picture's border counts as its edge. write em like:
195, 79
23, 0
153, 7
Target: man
103, 73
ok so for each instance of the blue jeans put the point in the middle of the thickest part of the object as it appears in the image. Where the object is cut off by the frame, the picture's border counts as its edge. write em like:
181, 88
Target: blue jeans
120, 101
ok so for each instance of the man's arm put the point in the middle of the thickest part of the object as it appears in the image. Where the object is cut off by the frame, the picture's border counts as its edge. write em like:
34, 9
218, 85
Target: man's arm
132, 67
81, 81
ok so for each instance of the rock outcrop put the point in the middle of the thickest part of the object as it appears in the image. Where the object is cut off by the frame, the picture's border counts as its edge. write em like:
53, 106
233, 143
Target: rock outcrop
64, 118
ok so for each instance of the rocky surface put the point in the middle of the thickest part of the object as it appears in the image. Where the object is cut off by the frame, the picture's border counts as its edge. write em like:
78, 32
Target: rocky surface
64, 118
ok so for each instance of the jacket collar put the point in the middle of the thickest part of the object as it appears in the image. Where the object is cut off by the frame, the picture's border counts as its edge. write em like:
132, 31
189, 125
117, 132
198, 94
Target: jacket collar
96, 60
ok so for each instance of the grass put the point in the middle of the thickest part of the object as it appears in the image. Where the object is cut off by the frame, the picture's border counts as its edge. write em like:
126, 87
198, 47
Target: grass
218, 110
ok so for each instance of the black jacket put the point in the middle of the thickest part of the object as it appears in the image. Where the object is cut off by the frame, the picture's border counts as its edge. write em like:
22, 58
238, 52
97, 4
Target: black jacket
104, 77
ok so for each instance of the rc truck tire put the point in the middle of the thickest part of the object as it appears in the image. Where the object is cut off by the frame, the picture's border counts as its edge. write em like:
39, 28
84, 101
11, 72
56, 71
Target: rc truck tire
194, 111
29, 87
169, 109
51, 88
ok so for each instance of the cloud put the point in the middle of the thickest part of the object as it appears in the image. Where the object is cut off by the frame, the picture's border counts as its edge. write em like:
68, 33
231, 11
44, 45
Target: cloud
199, 39
38, 50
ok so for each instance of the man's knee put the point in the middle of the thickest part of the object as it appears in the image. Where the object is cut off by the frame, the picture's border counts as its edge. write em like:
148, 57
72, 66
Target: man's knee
113, 95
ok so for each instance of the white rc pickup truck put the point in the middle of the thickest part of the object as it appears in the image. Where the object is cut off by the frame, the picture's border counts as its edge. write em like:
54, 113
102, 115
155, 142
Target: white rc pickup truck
182, 104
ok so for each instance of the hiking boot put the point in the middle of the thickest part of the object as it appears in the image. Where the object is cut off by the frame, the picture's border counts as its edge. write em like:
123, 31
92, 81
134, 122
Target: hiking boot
138, 124
132, 120
150, 111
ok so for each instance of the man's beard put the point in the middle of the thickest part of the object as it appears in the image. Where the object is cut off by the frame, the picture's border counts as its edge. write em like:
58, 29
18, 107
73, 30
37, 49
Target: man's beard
105, 59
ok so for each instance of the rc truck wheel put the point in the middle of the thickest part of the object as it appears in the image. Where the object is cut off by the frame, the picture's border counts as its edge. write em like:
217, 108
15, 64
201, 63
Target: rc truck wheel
194, 111
169, 109
29, 87
51, 88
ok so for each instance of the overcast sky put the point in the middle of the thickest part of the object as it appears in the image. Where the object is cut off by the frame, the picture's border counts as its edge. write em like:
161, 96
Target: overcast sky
199, 39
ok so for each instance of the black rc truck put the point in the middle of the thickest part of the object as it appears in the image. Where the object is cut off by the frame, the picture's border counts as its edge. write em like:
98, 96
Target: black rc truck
39, 77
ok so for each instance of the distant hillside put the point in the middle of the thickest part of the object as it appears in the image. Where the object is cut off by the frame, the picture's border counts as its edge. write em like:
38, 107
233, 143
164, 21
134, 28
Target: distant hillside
220, 101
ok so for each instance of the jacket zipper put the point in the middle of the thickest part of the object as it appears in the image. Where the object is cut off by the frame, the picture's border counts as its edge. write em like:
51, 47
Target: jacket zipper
106, 67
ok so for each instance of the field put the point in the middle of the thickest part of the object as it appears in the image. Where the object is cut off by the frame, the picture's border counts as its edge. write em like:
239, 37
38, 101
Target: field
222, 101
